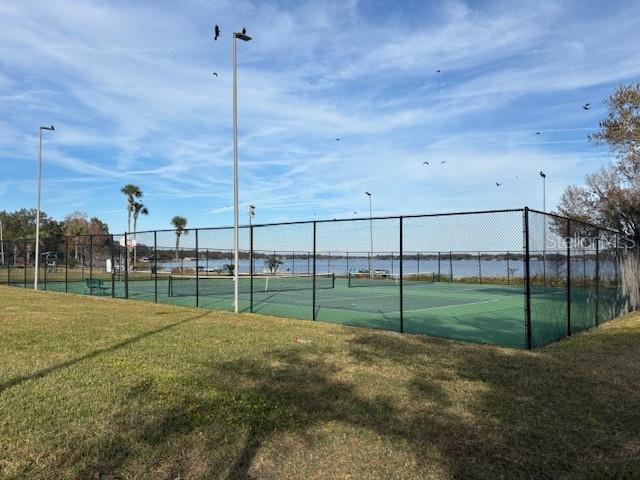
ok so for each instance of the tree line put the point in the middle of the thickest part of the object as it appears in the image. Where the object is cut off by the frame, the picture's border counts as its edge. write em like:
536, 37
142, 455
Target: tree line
21, 225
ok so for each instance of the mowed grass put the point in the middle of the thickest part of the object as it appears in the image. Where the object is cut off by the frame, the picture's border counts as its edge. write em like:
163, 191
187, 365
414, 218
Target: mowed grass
101, 388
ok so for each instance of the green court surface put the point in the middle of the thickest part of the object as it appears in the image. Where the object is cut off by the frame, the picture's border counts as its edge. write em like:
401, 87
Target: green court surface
471, 312
482, 313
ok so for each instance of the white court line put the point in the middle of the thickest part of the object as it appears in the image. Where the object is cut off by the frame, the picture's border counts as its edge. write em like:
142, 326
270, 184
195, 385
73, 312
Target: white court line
397, 295
470, 289
361, 297
445, 306
412, 309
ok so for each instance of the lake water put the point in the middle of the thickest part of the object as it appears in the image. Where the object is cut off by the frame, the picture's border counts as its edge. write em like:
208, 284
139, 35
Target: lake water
486, 268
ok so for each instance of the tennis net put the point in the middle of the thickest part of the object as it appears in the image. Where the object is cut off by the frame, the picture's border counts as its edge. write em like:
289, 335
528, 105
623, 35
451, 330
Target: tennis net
187, 285
364, 279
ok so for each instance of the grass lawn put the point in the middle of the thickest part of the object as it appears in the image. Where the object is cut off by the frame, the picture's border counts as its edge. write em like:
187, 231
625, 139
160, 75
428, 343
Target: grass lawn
100, 388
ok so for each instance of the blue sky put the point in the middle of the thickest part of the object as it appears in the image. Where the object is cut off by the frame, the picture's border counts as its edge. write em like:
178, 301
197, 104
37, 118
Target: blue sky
129, 87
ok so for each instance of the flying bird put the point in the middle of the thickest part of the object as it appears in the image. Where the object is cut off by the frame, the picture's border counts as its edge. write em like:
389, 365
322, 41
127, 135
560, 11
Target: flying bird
215, 74
586, 106
438, 70
498, 184
425, 163
337, 139
216, 33
537, 133
443, 162
244, 31
355, 212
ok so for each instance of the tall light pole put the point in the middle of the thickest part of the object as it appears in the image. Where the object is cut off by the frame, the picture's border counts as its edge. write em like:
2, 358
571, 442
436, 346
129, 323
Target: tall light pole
39, 184
370, 232
236, 207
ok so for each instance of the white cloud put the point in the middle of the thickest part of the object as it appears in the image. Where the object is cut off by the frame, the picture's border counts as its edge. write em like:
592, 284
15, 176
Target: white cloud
131, 92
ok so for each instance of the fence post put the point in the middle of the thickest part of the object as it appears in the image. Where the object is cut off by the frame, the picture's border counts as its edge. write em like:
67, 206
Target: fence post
81, 259
527, 281
113, 268
347, 263
26, 264
617, 295
401, 279
480, 266
597, 277
251, 268
198, 273
126, 266
418, 266
313, 301
508, 271
91, 263
450, 267
6, 259
66, 265
544, 257
9, 245
155, 266
44, 275
439, 270
569, 278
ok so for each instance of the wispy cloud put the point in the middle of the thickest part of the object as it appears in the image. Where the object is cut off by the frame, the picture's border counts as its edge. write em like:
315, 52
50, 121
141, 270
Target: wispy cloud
130, 89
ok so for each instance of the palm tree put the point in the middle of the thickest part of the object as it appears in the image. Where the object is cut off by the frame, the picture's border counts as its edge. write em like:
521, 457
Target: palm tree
273, 262
179, 223
138, 209
132, 192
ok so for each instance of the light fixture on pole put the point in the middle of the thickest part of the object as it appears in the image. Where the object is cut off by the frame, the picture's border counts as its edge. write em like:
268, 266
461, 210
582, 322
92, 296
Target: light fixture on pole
236, 208
544, 227
370, 232
39, 184
252, 213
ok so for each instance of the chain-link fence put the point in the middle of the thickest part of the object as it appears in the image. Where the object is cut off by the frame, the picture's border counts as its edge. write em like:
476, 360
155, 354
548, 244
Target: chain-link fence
519, 278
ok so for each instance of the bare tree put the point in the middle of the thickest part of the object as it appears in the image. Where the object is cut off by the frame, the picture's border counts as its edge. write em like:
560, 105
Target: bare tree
620, 131
611, 196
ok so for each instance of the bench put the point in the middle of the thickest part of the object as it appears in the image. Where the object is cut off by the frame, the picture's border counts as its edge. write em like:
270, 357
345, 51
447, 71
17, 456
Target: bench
97, 285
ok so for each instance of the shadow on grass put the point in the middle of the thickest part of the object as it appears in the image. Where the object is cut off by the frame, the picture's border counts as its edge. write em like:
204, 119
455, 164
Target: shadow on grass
472, 411
96, 353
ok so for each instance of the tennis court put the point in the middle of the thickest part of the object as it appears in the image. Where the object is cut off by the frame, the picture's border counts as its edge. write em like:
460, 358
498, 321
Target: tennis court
478, 313
521, 286
481, 313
